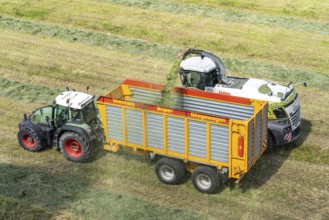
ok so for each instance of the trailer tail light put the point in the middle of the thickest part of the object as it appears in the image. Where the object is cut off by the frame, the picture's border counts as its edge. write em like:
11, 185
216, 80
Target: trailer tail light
240, 146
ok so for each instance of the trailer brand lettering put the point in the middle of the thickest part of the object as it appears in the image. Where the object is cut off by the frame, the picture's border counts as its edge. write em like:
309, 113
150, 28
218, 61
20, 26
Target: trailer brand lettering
165, 110
206, 117
224, 93
123, 103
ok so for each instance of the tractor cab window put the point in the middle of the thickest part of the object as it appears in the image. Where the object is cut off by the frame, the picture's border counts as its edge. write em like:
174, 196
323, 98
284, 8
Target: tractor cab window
76, 115
62, 115
42, 115
89, 112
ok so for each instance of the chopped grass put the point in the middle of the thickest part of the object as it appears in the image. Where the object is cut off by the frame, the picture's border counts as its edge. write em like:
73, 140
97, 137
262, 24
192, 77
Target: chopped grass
143, 48
293, 8
230, 14
59, 193
27, 92
259, 42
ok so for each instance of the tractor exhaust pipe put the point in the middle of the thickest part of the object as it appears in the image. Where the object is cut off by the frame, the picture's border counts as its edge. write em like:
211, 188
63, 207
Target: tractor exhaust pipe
25, 117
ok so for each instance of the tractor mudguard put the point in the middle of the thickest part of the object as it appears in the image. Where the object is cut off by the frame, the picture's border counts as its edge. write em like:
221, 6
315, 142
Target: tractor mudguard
29, 124
75, 129
38, 130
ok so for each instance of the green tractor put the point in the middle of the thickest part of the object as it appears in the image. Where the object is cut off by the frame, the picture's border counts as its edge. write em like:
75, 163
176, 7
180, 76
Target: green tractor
70, 125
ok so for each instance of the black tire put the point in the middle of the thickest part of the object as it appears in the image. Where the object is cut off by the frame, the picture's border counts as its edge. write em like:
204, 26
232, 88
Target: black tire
270, 142
207, 179
29, 139
74, 147
170, 171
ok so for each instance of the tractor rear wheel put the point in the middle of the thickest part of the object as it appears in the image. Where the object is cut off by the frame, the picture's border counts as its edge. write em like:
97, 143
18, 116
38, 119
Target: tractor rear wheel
170, 171
74, 147
29, 139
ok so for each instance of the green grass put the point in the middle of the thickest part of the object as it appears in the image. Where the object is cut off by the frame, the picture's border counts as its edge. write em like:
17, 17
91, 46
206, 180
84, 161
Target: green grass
259, 42
48, 45
143, 48
313, 10
230, 14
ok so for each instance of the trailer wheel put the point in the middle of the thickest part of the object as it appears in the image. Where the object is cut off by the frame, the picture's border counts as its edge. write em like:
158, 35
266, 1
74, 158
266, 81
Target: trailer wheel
29, 139
206, 179
74, 147
170, 171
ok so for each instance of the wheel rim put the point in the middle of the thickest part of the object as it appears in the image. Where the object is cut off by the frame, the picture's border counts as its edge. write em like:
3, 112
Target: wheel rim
203, 181
167, 173
73, 148
28, 141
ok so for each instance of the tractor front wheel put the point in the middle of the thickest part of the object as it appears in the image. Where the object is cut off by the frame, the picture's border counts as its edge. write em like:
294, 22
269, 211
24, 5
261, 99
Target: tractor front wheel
29, 139
74, 147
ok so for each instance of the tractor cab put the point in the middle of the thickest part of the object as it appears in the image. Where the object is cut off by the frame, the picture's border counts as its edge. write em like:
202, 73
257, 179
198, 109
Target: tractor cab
69, 107
70, 124
74, 107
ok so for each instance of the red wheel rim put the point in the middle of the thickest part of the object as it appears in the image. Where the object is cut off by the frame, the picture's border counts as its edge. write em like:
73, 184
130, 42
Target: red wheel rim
28, 141
73, 148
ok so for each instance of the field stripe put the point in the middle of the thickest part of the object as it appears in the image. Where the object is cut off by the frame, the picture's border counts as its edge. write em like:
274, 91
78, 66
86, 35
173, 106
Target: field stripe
139, 47
228, 15
108, 41
27, 92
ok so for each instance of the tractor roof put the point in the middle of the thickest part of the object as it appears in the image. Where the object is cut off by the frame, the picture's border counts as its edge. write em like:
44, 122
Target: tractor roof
198, 64
76, 100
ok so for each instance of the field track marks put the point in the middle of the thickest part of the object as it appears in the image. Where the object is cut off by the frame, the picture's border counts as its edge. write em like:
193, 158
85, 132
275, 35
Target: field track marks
139, 47
228, 15
239, 40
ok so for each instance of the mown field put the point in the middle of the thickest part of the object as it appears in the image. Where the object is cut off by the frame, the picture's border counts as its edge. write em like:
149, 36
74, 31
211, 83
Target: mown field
48, 45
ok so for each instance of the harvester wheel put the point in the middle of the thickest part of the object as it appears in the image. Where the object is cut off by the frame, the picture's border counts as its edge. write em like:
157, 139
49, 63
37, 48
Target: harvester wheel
29, 139
74, 147
270, 142
206, 179
170, 171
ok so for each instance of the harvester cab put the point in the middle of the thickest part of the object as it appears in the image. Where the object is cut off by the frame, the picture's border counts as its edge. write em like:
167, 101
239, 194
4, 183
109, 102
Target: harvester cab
200, 69
70, 124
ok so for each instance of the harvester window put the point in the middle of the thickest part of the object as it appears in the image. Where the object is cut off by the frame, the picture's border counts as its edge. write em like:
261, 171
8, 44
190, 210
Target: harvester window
211, 79
195, 80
